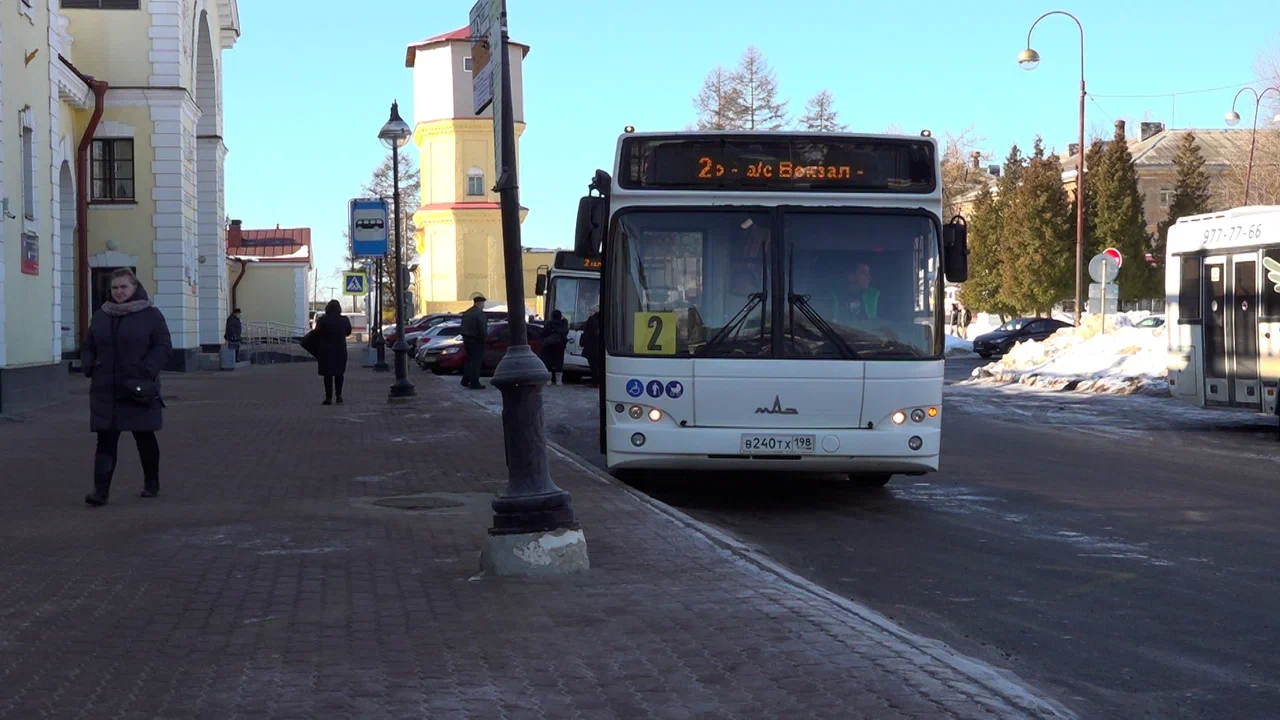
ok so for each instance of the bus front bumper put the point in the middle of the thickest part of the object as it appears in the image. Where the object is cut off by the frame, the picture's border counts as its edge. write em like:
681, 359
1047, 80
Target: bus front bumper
835, 450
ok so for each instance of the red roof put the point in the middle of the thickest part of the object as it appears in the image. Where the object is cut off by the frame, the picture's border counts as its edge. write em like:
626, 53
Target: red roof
273, 245
462, 34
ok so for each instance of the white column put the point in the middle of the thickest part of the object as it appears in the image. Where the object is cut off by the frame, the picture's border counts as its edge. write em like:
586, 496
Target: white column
212, 276
174, 218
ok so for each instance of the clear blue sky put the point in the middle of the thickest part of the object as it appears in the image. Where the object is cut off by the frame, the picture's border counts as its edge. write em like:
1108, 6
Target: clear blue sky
311, 81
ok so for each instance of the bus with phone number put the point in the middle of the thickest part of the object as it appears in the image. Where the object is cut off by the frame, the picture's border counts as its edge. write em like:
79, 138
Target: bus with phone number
772, 301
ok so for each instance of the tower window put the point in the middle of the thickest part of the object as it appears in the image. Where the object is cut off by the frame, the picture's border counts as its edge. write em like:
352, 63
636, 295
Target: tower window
475, 182
466, 64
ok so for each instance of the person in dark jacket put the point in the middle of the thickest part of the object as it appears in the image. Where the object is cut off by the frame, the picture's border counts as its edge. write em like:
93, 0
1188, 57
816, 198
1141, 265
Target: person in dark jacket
127, 345
475, 329
592, 345
555, 336
233, 332
328, 343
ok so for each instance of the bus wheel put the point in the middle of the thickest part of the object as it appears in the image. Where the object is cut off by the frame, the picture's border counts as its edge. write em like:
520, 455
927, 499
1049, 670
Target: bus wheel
870, 481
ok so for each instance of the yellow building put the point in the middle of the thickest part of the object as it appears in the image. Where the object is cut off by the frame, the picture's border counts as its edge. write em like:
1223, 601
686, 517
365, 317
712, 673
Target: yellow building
459, 227
270, 274
118, 162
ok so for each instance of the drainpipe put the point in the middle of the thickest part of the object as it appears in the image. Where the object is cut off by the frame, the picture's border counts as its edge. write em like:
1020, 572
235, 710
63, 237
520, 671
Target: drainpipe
244, 267
99, 88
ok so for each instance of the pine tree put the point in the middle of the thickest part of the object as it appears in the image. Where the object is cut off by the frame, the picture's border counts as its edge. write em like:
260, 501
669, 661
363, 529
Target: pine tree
1191, 193
719, 102
1116, 220
757, 93
984, 290
1037, 237
820, 114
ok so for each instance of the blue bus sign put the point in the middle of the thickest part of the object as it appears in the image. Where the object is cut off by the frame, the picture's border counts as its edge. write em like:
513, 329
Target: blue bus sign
370, 227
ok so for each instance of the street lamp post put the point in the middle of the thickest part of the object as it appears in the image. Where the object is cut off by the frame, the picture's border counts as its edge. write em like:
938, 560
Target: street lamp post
531, 503
394, 135
1030, 59
380, 342
1233, 118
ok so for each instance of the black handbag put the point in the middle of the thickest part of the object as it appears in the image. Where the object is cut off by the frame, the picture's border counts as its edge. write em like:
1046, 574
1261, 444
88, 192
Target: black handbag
140, 391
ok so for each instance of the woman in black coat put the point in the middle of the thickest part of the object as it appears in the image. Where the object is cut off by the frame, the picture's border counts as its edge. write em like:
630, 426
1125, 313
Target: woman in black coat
555, 336
127, 345
328, 343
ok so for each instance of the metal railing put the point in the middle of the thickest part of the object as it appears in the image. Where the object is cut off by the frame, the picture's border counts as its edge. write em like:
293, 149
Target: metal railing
268, 342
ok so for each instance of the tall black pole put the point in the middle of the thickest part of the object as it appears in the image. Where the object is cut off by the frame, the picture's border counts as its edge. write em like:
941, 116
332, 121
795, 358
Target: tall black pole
531, 502
379, 341
401, 388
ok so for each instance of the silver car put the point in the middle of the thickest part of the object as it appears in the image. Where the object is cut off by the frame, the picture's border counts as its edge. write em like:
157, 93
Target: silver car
432, 339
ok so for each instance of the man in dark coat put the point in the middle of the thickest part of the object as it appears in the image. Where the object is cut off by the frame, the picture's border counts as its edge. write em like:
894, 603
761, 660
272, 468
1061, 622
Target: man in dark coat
127, 345
475, 328
328, 343
593, 345
233, 332
554, 338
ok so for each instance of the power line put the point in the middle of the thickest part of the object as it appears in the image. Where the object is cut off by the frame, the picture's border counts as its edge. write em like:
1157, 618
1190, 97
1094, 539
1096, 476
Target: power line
1183, 92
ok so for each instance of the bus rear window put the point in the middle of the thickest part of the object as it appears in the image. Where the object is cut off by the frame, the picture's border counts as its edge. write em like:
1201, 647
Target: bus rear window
1189, 291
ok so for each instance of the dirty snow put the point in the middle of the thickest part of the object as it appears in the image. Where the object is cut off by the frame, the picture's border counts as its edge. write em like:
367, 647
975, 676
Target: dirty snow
957, 347
1124, 360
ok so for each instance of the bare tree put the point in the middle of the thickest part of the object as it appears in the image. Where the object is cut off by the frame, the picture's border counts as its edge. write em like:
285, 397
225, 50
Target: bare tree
820, 114
963, 166
894, 129
1264, 185
719, 102
1267, 69
757, 93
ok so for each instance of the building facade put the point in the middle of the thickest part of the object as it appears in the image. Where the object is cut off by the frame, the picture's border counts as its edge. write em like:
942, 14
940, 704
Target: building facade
270, 273
459, 225
118, 163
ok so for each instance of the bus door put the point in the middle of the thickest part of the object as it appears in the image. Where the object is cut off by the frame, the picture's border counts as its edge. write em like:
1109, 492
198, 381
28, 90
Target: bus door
1245, 385
1215, 332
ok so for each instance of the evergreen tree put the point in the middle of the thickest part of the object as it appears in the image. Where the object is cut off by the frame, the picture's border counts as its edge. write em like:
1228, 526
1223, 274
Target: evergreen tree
719, 102
756, 93
1037, 238
820, 114
1116, 220
1191, 193
984, 290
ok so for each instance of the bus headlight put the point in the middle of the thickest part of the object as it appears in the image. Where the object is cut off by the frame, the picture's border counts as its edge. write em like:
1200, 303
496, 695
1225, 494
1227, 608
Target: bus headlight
655, 414
635, 412
899, 417
917, 415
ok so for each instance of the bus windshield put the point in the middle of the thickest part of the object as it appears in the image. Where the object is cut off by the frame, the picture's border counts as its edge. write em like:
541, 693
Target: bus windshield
848, 285
575, 297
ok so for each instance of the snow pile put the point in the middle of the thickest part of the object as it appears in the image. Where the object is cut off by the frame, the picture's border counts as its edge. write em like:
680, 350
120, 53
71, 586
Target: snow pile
958, 346
1124, 360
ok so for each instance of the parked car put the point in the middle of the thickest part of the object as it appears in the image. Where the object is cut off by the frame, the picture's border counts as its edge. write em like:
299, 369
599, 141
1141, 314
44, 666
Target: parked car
1151, 322
1003, 338
418, 324
432, 340
448, 357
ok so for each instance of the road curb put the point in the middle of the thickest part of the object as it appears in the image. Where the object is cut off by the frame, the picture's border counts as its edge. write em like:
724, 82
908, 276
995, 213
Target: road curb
1001, 683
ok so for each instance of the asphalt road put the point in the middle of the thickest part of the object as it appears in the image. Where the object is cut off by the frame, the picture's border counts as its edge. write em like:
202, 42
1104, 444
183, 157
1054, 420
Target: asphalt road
1119, 553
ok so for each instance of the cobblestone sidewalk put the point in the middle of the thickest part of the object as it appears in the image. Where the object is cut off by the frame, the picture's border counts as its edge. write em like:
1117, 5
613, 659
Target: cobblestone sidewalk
271, 580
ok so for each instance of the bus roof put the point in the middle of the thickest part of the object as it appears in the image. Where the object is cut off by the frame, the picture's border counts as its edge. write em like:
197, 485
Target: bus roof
1241, 227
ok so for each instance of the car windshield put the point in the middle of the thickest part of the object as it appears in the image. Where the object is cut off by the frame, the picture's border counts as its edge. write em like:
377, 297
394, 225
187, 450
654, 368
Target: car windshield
702, 283
443, 331
575, 297
1012, 325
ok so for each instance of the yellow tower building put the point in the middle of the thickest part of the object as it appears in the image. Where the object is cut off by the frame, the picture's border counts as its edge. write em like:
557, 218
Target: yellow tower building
459, 227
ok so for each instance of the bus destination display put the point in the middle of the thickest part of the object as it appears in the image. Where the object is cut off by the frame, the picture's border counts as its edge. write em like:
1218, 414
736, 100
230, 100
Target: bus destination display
771, 164
566, 260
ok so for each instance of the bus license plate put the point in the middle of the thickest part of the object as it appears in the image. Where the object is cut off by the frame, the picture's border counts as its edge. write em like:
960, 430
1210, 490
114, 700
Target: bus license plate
777, 444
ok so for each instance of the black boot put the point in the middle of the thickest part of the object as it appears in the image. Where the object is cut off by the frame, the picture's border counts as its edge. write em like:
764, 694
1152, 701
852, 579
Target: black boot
104, 466
150, 485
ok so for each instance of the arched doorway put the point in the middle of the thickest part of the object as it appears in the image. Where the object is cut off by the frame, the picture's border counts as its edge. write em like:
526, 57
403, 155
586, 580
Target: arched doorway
211, 272
66, 278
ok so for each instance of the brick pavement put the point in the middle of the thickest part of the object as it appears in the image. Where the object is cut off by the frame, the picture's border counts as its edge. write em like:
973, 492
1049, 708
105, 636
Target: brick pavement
265, 582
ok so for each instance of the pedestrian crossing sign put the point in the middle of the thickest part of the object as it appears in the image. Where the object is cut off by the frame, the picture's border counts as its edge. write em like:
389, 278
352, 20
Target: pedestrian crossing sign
354, 283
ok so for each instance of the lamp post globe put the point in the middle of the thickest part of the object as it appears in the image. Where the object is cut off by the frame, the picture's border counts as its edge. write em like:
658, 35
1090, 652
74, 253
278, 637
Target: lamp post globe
1232, 118
1029, 59
394, 134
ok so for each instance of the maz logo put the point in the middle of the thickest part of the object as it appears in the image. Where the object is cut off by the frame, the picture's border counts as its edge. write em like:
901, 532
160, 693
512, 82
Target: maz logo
777, 409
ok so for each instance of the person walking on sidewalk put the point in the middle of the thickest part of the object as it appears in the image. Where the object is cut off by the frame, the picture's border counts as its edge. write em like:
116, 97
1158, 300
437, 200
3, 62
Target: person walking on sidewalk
127, 345
233, 333
328, 343
554, 338
475, 328
593, 345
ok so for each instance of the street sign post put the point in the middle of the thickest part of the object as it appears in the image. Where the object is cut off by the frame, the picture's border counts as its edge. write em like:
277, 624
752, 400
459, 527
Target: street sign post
370, 224
1103, 268
483, 70
354, 282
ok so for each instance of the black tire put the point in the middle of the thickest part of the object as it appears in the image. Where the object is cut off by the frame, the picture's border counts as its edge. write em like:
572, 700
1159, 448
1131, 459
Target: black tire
984, 355
435, 370
870, 481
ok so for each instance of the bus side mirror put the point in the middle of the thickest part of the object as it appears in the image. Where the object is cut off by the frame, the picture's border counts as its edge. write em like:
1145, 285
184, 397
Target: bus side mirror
955, 250
589, 233
540, 288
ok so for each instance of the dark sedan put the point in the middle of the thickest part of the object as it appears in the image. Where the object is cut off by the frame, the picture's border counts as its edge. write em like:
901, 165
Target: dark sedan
1003, 338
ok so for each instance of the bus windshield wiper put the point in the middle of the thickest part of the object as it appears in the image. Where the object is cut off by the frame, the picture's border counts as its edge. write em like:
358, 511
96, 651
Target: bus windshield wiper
802, 302
753, 301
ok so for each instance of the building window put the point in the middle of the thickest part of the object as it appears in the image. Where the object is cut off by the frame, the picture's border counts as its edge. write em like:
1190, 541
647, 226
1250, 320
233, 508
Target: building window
101, 4
466, 64
475, 182
112, 170
1166, 197
28, 172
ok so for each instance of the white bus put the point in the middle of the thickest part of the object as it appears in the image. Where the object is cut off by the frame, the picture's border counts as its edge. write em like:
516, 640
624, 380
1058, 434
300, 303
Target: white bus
772, 301
1222, 282
572, 286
